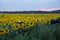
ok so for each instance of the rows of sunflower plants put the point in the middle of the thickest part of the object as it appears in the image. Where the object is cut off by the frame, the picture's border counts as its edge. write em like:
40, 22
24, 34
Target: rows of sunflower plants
28, 27
9, 22
37, 32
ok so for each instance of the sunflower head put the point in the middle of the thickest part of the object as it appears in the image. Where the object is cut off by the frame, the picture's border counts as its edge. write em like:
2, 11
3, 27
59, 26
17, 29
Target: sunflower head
6, 30
2, 31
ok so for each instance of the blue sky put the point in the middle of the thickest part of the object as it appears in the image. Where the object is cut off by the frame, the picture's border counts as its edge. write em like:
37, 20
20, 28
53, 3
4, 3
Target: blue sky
28, 4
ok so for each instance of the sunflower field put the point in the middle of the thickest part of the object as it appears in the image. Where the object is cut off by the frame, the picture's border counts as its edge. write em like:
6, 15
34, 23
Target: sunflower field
29, 27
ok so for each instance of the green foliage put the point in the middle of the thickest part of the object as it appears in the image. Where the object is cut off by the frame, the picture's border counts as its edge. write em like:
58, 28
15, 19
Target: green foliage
38, 32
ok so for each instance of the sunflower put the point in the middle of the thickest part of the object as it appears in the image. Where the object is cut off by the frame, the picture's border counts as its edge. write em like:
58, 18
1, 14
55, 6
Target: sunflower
22, 25
31, 23
2, 32
38, 20
12, 22
17, 26
26, 21
4, 21
6, 30
1, 24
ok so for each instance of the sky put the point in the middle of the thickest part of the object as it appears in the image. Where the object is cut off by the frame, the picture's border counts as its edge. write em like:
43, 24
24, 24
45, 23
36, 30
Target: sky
27, 5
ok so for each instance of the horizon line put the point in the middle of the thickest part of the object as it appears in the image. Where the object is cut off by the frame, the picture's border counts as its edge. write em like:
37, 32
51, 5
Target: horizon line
42, 9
